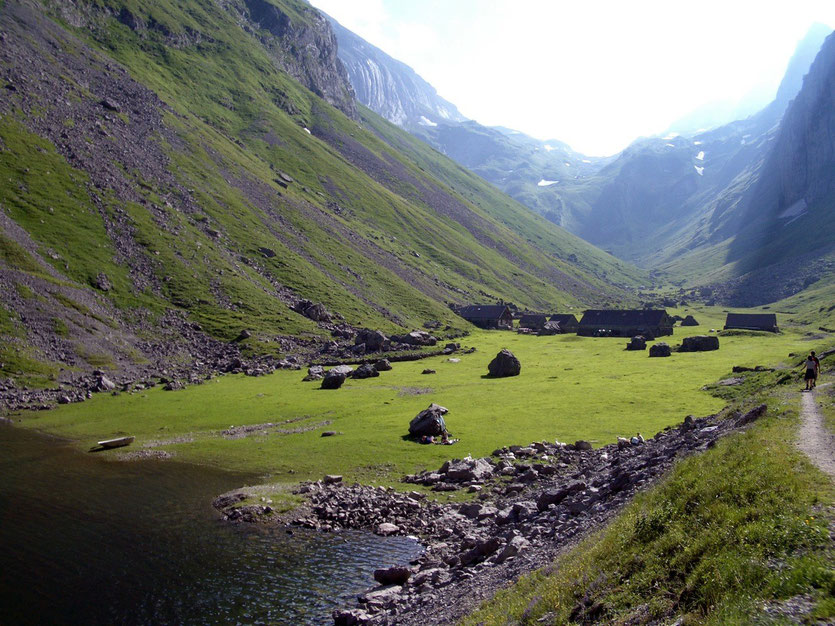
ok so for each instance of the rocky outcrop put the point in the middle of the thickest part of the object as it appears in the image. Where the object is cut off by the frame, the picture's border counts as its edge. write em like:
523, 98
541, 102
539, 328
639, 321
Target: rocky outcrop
415, 338
303, 46
389, 87
374, 340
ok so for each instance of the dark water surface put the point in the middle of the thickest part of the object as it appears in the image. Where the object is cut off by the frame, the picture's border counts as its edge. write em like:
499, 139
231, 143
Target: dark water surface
87, 541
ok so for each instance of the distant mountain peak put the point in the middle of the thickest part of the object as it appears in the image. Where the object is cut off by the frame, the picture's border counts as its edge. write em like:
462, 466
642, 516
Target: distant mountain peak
390, 87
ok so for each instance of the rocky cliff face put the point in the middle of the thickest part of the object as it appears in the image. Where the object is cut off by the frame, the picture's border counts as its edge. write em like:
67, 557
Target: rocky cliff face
800, 64
391, 88
803, 159
302, 45
796, 188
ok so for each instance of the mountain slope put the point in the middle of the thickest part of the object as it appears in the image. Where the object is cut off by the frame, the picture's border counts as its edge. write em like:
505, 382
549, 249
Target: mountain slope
525, 168
389, 87
164, 165
789, 216
715, 114
673, 204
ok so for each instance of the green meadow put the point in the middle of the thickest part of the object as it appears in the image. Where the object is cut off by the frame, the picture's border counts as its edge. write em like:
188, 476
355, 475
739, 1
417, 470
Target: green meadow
570, 388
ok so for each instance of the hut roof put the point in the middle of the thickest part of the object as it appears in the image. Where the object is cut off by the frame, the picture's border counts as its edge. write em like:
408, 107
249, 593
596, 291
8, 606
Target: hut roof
533, 318
484, 312
626, 317
765, 321
563, 318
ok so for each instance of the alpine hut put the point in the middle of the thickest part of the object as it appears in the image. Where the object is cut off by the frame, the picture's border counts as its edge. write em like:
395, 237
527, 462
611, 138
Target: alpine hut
488, 316
568, 323
650, 323
534, 321
752, 321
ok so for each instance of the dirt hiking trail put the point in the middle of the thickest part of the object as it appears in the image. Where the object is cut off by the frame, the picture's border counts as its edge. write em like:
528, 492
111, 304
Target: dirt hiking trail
814, 439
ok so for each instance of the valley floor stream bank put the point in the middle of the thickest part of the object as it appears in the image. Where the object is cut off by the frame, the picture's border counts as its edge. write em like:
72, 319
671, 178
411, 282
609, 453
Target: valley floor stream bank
533, 502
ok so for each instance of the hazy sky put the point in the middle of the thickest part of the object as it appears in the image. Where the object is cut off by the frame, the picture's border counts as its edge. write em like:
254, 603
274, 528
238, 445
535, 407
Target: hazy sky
595, 74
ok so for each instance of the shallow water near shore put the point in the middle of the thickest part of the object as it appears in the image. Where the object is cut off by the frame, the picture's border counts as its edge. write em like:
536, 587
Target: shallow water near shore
87, 541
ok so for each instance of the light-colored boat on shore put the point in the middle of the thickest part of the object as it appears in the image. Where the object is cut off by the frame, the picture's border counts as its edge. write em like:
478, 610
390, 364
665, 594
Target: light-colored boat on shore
116, 443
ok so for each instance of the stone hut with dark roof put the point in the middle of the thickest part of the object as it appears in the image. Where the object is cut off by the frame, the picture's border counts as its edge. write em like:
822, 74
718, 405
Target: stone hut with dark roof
490, 316
534, 321
568, 323
752, 321
650, 323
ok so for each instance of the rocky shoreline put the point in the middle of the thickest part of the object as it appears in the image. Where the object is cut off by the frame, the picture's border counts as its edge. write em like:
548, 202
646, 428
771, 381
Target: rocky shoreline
531, 503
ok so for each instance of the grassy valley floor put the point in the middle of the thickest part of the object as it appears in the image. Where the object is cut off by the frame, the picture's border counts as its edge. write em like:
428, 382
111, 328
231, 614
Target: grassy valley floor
570, 388
739, 534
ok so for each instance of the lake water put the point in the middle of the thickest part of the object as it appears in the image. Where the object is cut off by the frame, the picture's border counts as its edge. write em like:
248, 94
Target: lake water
83, 540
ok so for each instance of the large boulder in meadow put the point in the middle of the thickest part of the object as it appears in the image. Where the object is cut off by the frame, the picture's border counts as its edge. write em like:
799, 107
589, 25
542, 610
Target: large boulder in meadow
637, 342
416, 338
383, 365
699, 343
365, 371
660, 349
429, 422
315, 372
505, 364
333, 379
374, 340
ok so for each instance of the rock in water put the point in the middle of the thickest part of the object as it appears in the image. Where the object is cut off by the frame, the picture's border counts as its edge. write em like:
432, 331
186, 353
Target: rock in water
392, 575
387, 528
505, 364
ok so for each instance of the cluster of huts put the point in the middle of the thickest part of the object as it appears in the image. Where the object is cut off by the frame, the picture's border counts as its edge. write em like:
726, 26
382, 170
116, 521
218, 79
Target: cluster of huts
649, 323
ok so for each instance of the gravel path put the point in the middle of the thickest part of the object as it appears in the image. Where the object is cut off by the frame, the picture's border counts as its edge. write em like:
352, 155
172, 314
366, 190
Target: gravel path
814, 438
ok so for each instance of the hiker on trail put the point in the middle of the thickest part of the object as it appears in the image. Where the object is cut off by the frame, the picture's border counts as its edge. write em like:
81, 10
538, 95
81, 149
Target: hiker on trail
812, 366
817, 369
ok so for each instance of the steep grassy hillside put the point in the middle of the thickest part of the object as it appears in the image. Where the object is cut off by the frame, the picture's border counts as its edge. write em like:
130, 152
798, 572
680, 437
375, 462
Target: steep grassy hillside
161, 156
